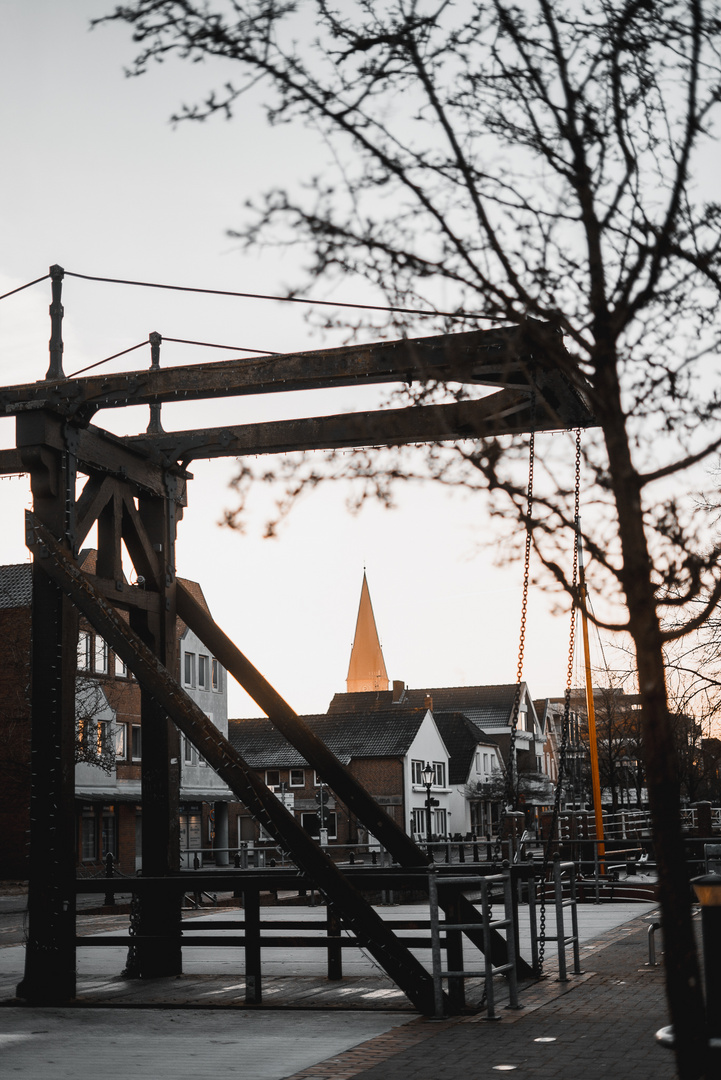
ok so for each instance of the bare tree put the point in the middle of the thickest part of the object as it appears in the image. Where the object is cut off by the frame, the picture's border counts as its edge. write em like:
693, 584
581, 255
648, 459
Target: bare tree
540, 162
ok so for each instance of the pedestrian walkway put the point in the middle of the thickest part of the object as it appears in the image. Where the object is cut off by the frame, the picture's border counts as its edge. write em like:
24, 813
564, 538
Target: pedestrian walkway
598, 1024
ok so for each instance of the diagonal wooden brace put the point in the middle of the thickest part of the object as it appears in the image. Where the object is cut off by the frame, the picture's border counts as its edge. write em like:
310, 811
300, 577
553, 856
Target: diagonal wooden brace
403, 849
358, 915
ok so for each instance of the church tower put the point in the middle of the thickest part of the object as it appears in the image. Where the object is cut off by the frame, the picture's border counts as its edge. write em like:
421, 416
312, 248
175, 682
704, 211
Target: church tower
367, 669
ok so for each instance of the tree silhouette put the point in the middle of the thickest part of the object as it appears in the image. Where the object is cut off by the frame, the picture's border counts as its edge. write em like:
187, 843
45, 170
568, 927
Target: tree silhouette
543, 163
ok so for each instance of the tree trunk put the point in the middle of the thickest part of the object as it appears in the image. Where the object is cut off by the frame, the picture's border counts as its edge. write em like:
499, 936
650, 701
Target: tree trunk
683, 987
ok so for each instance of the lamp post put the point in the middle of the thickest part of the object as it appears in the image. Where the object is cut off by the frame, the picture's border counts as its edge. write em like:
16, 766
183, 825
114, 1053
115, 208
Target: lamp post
428, 778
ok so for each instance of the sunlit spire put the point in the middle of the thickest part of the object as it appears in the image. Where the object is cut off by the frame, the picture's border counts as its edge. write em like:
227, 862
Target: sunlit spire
367, 669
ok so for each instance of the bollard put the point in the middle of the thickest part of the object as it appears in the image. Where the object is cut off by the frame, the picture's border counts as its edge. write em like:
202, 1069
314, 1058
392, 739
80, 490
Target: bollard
109, 900
708, 892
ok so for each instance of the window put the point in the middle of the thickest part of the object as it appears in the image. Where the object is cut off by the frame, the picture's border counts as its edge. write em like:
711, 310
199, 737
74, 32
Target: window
89, 833
217, 676
485, 763
417, 772
136, 742
121, 741
188, 752
311, 824
272, 777
84, 651
439, 823
297, 778
101, 655
418, 821
121, 668
316, 780
109, 839
203, 672
439, 773
189, 669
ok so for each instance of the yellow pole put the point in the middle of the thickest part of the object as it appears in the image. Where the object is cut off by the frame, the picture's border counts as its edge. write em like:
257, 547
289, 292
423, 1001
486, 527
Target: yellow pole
592, 741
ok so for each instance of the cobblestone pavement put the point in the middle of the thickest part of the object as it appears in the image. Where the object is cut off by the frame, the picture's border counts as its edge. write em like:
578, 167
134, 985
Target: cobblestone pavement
599, 1024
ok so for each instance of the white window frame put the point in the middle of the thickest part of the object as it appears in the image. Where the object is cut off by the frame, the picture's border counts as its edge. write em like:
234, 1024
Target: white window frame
439, 774
84, 644
121, 741
203, 671
133, 756
417, 772
296, 783
270, 772
121, 668
216, 676
189, 669
100, 656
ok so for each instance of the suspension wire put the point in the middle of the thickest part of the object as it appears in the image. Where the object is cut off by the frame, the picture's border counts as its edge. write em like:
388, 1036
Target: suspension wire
231, 348
281, 299
26, 286
179, 341
512, 770
566, 722
108, 358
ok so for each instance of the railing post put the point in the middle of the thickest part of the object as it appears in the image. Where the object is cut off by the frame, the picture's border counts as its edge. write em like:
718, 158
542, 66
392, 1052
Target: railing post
435, 947
251, 901
560, 934
335, 952
454, 955
109, 899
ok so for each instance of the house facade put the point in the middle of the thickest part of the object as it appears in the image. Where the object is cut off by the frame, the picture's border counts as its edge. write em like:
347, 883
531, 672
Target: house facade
385, 752
108, 748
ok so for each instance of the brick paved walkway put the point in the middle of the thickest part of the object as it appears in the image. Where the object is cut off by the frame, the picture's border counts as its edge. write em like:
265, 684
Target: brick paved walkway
599, 1024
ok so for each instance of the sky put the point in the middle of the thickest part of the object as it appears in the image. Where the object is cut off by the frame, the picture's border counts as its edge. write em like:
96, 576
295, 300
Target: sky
98, 180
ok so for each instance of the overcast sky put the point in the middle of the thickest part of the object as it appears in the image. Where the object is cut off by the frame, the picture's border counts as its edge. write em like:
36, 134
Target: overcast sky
95, 178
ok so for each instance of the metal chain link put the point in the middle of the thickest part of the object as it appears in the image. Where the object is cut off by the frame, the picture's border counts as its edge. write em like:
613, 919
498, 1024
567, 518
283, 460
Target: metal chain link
512, 771
565, 724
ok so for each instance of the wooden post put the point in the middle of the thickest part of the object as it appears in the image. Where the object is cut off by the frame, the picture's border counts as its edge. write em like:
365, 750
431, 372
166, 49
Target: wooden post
50, 953
253, 991
335, 952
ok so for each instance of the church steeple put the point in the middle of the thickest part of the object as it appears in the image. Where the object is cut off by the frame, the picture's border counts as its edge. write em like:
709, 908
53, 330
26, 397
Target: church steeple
367, 669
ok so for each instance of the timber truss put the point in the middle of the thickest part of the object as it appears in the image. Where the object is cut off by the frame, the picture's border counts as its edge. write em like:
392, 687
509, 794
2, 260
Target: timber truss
135, 490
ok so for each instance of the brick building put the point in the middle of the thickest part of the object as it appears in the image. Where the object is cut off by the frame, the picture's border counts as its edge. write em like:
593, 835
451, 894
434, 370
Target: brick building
108, 747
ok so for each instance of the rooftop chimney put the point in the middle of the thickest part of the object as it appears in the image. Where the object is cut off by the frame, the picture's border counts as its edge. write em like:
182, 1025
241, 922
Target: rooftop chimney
428, 702
399, 689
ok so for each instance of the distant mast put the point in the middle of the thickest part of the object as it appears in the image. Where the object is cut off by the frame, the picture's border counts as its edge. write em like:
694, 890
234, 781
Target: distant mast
367, 669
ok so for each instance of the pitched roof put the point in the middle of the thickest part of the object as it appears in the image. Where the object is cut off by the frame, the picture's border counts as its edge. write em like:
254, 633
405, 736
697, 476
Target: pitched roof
461, 738
349, 735
16, 585
488, 707
367, 668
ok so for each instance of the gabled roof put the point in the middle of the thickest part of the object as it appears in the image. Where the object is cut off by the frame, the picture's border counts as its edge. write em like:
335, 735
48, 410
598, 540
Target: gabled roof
488, 707
461, 738
16, 585
349, 735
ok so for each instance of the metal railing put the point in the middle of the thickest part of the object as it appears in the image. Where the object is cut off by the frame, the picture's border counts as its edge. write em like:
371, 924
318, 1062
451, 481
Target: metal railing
454, 946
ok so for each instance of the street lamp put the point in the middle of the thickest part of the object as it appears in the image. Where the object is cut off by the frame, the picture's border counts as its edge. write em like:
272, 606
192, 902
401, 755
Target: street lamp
428, 778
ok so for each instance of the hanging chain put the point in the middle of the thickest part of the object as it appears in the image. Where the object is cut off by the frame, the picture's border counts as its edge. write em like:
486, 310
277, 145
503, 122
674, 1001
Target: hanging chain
566, 722
512, 771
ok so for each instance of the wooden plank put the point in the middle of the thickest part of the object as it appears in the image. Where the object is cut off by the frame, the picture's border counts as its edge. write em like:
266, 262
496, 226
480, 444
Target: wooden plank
505, 412
497, 357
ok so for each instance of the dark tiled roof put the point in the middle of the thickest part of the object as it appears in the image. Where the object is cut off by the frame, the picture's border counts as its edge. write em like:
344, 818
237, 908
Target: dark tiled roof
461, 738
349, 735
489, 707
16, 585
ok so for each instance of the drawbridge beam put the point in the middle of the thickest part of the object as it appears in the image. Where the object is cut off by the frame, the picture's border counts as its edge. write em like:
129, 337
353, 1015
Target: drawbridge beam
372, 932
335, 774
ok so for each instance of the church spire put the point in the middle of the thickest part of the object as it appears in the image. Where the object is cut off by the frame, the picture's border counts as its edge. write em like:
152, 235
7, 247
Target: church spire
367, 669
